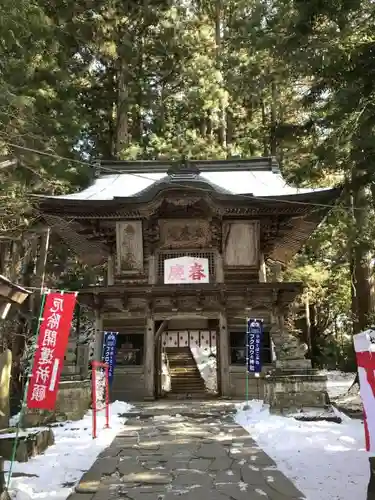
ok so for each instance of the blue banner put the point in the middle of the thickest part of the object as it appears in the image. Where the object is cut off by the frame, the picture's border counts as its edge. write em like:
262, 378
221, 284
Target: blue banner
254, 345
109, 353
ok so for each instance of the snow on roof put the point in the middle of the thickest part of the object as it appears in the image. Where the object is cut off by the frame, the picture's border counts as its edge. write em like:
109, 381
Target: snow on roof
123, 185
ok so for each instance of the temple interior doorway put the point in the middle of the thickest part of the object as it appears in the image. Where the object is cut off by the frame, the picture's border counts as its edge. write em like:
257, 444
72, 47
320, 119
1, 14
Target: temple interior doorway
187, 359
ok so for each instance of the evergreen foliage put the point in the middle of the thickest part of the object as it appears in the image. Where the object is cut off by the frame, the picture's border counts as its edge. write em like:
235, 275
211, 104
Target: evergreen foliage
203, 79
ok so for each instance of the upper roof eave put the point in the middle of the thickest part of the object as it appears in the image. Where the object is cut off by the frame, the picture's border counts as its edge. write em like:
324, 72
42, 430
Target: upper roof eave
326, 196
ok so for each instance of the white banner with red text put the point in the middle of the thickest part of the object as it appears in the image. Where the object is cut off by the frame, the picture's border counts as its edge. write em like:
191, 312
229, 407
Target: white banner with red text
364, 346
186, 270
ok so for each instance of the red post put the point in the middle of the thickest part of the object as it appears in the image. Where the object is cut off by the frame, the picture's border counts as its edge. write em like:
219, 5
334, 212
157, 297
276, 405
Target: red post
93, 385
95, 366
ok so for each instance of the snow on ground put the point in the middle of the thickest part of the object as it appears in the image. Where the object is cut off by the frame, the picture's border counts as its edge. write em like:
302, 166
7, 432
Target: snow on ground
207, 365
325, 460
338, 382
53, 475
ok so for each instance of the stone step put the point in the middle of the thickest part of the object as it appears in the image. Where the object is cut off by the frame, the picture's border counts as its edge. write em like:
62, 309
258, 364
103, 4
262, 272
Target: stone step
184, 369
180, 363
188, 395
180, 360
188, 390
187, 381
190, 384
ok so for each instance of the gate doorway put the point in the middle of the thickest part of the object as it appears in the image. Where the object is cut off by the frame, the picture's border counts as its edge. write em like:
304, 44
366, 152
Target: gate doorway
186, 364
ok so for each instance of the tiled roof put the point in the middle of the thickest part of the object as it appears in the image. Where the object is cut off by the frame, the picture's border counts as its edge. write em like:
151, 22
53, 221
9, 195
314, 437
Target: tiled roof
264, 183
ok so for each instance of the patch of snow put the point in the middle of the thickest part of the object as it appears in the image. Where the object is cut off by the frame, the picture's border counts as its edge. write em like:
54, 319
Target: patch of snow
207, 365
165, 375
54, 474
338, 382
324, 460
13, 421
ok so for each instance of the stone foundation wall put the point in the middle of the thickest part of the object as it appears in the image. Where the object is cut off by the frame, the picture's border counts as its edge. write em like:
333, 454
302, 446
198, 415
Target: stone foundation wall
294, 391
128, 384
73, 401
237, 381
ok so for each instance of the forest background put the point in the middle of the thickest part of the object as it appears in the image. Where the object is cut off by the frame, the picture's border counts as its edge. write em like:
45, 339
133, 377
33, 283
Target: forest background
151, 79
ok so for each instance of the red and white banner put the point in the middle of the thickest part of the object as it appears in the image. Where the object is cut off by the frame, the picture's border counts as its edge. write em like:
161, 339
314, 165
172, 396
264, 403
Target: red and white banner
50, 350
364, 346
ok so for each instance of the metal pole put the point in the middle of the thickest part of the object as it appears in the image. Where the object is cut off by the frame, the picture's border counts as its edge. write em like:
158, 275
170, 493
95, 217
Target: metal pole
107, 396
24, 403
246, 407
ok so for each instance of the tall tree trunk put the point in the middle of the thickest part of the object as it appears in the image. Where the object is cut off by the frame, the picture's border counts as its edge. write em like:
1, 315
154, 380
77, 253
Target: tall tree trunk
360, 264
162, 108
137, 125
221, 134
122, 122
273, 124
264, 128
229, 127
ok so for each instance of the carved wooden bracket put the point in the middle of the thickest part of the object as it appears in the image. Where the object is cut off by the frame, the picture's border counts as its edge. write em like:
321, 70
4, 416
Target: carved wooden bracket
174, 303
149, 302
249, 295
200, 300
125, 301
276, 298
97, 302
222, 300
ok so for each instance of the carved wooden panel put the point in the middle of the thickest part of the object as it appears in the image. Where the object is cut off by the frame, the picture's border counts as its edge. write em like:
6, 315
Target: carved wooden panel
241, 243
129, 247
184, 233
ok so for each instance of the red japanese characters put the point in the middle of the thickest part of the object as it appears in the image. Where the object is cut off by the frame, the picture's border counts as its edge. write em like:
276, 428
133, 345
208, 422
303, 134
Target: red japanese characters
186, 270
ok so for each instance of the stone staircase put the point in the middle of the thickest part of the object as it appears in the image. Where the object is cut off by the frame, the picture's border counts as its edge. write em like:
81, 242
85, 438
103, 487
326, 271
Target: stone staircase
186, 380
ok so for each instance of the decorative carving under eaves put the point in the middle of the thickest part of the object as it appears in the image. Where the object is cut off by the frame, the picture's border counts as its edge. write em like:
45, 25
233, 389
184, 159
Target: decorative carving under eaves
162, 303
151, 233
181, 204
216, 233
182, 201
184, 233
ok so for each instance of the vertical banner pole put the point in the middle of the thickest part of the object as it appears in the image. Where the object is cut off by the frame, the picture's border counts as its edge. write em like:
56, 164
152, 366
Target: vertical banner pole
23, 404
247, 366
254, 342
106, 397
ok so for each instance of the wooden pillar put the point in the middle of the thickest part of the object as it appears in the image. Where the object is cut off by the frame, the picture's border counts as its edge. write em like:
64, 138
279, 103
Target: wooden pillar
98, 335
224, 355
276, 270
152, 270
111, 271
42, 260
149, 359
262, 270
15, 260
219, 268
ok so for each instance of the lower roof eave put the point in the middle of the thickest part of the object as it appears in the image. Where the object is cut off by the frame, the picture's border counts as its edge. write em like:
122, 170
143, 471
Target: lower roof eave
140, 289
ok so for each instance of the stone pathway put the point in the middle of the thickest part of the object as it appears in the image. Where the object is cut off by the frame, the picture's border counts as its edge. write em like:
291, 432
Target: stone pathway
187, 452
